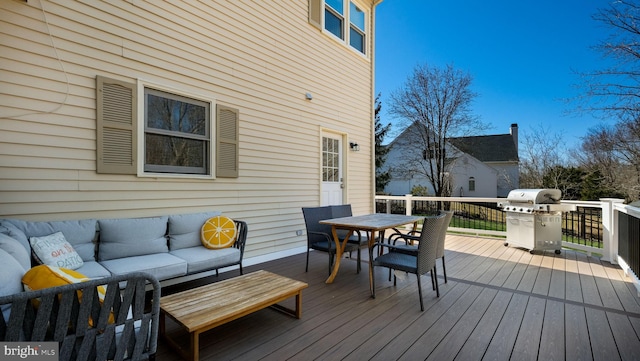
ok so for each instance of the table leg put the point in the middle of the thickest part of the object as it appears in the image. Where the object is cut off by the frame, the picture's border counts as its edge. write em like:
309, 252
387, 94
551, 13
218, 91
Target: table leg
195, 346
372, 241
299, 304
339, 251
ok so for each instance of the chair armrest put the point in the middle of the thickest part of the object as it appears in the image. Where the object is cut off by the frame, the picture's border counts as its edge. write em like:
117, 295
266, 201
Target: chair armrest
408, 238
241, 238
328, 237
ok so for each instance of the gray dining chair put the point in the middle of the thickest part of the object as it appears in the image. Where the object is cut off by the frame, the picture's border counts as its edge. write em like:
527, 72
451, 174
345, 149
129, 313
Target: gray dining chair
413, 236
418, 263
319, 235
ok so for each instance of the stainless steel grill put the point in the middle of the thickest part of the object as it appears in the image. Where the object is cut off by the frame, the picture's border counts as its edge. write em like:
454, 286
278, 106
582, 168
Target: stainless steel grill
534, 219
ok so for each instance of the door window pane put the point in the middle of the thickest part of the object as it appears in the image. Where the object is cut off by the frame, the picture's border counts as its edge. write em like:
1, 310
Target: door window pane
330, 160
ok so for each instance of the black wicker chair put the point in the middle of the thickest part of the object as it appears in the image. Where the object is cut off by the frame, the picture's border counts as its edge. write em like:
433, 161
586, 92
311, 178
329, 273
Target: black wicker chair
412, 236
418, 263
319, 236
121, 327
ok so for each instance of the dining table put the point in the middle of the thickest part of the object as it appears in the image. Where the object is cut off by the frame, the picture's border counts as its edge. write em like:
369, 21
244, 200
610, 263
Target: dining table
374, 224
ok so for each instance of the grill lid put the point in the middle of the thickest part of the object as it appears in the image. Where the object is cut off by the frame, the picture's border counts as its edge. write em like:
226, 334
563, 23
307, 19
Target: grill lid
535, 196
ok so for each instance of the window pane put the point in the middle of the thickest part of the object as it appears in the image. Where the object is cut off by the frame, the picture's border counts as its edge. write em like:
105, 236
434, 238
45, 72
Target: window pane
174, 153
337, 5
333, 23
176, 115
356, 16
356, 39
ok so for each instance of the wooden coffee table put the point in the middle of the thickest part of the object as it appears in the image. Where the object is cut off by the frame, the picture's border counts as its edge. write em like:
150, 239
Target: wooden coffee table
200, 309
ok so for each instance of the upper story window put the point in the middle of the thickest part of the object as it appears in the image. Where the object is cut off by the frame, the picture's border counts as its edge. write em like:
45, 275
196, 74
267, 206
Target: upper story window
356, 27
342, 18
334, 17
472, 184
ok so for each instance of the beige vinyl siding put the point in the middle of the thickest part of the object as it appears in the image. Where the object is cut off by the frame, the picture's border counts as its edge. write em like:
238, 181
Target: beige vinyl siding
259, 57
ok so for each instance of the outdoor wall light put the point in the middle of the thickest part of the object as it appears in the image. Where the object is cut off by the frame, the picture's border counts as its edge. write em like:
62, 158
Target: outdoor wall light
354, 146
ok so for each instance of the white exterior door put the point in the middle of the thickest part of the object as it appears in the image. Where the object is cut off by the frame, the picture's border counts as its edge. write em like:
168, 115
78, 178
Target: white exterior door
332, 172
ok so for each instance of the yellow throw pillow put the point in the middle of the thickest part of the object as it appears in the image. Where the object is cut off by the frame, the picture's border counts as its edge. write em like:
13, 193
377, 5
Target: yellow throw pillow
45, 276
218, 232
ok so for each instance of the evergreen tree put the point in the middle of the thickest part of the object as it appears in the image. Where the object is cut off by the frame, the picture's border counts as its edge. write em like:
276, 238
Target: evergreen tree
382, 178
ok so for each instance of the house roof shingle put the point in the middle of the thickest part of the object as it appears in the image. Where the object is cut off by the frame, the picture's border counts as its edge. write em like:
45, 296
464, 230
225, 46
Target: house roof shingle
488, 148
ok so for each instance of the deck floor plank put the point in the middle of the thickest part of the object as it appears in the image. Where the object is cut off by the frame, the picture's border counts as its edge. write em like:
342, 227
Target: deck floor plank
576, 333
552, 342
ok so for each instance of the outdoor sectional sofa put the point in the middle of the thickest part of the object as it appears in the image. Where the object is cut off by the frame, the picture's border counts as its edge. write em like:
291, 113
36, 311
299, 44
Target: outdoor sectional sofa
166, 247
128, 253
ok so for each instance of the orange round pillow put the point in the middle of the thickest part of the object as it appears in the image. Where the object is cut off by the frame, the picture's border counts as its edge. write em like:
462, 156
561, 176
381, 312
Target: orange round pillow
218, 232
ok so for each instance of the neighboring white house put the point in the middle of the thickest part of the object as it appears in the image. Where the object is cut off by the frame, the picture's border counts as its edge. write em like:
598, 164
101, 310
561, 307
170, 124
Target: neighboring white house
266, 98
478, 166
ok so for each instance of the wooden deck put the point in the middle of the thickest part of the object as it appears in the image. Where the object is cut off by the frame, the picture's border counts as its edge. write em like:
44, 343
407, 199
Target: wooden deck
501, 303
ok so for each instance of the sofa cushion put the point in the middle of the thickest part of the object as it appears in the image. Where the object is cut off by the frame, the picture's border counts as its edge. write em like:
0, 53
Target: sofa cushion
16, 250
79, 233
10, 277
54, 250
128, 237
93, 269
202, 259
184, 229
161, 265
12, 231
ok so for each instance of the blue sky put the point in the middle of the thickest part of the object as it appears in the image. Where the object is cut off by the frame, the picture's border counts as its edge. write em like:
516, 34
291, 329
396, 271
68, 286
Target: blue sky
522, 55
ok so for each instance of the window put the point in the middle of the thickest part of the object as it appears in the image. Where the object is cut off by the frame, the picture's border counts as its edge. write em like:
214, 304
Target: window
472, 184
429, 153
175, 132
344, 19
334, 17
356, 28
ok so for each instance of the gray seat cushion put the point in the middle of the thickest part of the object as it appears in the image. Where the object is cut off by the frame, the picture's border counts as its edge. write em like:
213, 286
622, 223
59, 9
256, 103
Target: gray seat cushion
93, 269
128, 237
161, 265
200, 258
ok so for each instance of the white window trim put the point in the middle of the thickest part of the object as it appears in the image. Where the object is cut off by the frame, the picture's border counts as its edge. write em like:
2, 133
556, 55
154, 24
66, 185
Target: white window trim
141, 85
347, 28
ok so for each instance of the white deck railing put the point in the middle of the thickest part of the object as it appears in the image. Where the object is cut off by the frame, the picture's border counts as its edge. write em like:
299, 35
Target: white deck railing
610, 208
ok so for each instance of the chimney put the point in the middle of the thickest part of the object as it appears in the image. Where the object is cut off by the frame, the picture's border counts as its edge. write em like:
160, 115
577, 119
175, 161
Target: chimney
514, 134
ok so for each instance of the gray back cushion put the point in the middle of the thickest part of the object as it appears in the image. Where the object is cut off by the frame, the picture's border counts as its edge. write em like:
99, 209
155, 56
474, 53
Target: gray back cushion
79, 233
184, 229
16, 250
127, 237
10, 279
